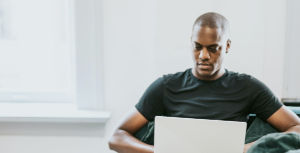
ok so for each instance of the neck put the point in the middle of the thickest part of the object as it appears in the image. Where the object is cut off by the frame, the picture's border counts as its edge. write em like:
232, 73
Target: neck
219, 73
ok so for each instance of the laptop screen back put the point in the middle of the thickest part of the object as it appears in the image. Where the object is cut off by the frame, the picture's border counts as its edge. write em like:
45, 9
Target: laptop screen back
186, 135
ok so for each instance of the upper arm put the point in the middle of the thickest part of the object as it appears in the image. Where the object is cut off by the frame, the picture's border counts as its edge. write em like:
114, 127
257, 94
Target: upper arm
151, 102
283, 119
149, 106
264, 103
133, 122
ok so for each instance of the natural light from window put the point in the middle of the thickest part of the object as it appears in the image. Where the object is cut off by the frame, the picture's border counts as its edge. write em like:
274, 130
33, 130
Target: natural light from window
36, 51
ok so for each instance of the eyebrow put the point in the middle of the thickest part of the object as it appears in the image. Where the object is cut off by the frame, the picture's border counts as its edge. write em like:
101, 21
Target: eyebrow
212, 45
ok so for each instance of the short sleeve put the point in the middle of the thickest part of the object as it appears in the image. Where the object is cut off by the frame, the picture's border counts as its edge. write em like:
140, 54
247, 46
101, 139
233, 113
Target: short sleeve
151, 103
265, 103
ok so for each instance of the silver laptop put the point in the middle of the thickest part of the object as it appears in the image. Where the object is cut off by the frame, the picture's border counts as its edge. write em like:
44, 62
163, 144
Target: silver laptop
186, 135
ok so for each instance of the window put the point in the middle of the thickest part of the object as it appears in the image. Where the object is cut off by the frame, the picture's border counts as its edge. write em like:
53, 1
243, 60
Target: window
36, 51
48, 52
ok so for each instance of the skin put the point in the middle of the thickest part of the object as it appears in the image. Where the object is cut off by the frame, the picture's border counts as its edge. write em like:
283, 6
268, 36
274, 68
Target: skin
122, 140
207, 66
283, 120
209, 49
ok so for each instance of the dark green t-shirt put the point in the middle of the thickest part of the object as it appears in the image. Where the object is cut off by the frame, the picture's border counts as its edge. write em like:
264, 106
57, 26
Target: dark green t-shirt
231, 97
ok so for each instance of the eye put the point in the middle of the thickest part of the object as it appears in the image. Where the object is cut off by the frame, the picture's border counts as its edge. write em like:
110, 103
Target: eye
198, 47
213, 49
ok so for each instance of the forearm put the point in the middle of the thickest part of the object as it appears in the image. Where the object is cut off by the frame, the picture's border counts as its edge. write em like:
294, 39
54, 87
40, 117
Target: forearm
295, 128
124, 142
247, 146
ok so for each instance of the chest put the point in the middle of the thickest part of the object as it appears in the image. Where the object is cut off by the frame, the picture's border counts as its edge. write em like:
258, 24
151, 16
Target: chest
208, 103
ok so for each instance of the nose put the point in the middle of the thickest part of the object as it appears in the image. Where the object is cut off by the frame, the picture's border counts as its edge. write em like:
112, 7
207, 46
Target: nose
204, 54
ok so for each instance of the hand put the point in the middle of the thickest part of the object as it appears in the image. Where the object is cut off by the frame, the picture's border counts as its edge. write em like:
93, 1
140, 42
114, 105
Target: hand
247, 146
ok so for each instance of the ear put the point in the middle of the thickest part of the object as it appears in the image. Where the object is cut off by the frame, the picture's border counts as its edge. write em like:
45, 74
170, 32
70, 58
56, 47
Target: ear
228, 44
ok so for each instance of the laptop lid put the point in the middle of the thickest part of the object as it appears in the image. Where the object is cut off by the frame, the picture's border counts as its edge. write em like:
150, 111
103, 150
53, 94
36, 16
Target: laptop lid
187, 135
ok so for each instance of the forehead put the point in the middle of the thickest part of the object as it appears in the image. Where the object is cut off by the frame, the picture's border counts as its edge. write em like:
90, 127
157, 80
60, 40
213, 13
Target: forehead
206, 35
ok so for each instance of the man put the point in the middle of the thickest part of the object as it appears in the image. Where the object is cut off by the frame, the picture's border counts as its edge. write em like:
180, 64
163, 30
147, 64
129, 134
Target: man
206, 91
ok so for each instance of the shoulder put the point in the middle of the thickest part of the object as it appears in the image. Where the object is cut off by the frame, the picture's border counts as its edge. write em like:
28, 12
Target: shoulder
243, 77
175, 77
168, 80
180, 81
239, 76
246, 79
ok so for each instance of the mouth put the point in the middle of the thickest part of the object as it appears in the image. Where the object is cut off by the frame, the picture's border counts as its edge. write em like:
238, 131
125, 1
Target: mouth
204, 66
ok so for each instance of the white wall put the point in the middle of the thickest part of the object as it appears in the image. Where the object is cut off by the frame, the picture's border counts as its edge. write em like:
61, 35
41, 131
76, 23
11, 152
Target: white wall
292, 71
146, 39
161, 44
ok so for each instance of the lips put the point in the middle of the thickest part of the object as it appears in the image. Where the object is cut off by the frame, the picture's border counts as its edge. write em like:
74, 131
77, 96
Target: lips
204, 65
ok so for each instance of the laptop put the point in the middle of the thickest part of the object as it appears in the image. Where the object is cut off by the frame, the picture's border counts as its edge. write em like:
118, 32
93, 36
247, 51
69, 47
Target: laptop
187, 135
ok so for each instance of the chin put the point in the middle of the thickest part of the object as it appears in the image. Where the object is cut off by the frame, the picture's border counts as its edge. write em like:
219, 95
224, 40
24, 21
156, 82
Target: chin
204, 73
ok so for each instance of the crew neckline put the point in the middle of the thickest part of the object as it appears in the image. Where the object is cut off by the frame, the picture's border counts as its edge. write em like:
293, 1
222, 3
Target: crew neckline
208, 81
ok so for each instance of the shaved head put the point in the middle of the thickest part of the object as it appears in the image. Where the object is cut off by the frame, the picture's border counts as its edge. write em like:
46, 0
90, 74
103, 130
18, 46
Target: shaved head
212, 20
210, 41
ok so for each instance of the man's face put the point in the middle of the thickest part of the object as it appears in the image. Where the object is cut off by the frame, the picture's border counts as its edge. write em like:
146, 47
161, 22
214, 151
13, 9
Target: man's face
209, 48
